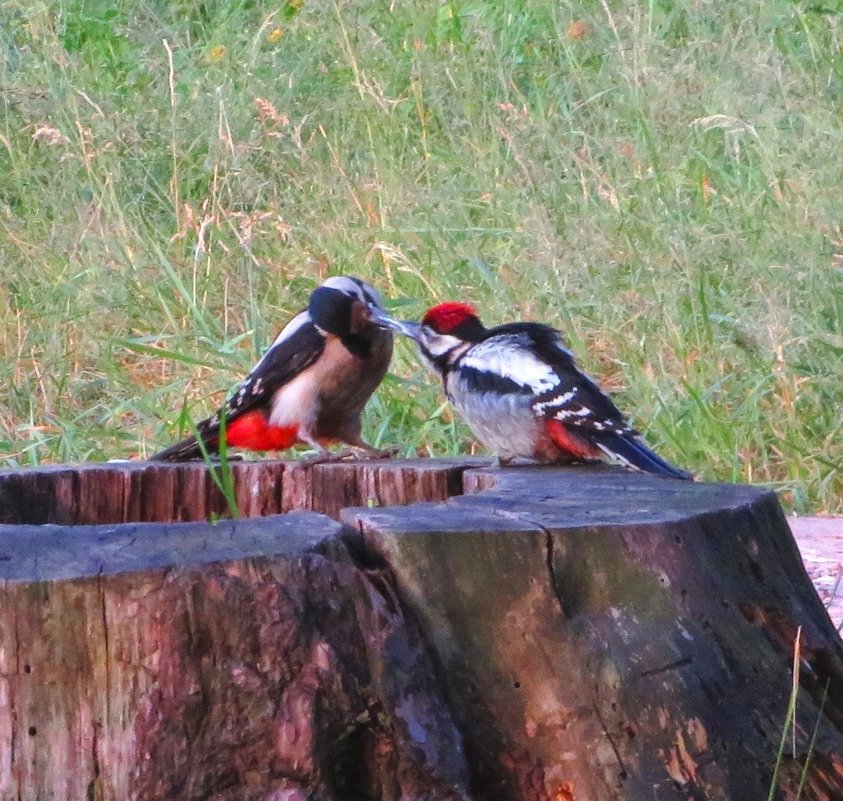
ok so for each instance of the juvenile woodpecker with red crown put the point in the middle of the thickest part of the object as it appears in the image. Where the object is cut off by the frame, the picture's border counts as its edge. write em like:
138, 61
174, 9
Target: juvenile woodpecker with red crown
311, 385
520, 391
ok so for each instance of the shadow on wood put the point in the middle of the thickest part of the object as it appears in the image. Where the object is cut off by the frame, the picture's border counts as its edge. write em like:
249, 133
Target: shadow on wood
533, 634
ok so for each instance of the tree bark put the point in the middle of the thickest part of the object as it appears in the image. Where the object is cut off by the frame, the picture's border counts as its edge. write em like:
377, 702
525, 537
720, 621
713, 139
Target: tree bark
243, 660
609, 635
160, 492
524, 634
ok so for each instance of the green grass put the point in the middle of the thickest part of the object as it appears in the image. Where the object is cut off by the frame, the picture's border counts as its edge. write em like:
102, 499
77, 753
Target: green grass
660, 180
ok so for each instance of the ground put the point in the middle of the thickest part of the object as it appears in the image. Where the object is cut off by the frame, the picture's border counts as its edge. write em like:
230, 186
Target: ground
820, 541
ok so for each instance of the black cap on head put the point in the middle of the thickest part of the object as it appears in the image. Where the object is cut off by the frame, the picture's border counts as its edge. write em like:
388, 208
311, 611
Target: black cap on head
330, 309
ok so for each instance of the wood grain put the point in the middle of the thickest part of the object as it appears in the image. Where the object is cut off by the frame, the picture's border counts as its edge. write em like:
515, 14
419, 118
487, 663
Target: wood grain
244, 660
611, 635
129, 492
465, 632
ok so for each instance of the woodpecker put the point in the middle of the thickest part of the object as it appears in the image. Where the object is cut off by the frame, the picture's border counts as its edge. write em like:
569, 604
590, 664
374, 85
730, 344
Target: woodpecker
520, 391
311, 385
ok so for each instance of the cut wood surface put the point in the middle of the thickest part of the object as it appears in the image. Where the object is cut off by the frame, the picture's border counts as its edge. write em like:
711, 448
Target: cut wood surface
526, 634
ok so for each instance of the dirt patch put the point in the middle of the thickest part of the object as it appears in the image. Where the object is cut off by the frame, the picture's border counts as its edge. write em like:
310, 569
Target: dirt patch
820, 541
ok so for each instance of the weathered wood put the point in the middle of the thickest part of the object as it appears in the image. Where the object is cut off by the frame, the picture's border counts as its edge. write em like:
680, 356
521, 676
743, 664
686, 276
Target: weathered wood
243, 660
127, 492
607, 635
588, 633
153, 658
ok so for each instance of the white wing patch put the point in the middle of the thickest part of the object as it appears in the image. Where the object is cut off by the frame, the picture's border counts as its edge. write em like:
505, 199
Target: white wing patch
254, 388
556, 400
288, 330
507, 357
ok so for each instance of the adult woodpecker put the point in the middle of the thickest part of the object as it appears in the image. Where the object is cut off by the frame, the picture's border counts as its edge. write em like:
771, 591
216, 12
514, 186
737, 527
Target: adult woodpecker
311, 385
521, 393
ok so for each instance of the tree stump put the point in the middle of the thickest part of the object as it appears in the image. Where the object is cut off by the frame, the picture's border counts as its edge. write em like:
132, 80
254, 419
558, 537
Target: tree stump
525, 634
611, 635
236, 661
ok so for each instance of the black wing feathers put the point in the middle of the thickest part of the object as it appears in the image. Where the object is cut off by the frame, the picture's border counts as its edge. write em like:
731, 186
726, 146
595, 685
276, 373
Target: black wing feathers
538, 333
284, 360
576, 400
634, 452
482, 381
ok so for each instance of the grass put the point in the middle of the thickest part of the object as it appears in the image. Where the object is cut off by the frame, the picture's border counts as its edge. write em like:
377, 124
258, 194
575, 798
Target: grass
792, 730
659, 180
220, 468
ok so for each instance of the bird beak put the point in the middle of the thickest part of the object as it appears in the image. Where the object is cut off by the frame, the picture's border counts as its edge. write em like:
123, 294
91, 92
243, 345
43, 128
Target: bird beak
381, 318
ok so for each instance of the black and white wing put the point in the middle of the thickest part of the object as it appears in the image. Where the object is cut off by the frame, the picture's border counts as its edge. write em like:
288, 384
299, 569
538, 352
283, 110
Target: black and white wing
297, 347
530, 358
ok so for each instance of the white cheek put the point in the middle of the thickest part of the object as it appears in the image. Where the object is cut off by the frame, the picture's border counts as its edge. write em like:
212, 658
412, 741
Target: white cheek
439, 344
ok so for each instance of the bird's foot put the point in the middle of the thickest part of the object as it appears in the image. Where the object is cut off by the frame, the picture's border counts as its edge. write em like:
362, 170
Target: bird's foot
357, 451
368, 452
326, 457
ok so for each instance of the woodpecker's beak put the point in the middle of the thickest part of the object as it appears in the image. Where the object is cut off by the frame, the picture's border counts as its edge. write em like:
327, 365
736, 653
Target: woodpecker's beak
381, 318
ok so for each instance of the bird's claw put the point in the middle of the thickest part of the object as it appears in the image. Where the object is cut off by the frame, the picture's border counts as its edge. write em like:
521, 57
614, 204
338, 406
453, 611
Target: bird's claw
326, 457
368, 452
352, 453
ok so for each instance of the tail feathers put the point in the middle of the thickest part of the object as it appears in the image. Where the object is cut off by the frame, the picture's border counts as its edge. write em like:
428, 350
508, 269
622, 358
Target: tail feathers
184, 451
632, 452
